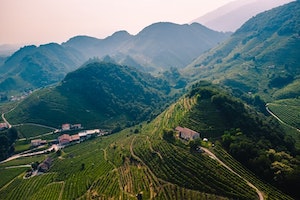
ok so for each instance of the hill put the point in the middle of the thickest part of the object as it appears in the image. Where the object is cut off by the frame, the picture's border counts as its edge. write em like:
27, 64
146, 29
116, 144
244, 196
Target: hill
249, 136
158, 46
33, 67
233, 15
151, 161
260, 58
96, 95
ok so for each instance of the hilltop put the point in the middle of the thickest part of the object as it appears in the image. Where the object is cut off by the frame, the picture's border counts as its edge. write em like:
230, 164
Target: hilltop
260, 58
233, 15
97, 94
157, 47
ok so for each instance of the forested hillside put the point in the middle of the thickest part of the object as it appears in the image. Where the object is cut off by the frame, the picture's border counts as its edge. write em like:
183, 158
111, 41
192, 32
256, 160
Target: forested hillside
260, 143
97, 94
262, 57
33, 67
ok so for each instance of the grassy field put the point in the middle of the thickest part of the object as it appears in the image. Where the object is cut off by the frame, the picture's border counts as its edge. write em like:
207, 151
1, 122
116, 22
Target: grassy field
6, 107
21, 146
31, 131
136, 160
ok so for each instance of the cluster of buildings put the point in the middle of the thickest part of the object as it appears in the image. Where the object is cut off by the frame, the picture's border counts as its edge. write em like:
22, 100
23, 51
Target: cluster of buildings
66, 139
38, 142
81, 136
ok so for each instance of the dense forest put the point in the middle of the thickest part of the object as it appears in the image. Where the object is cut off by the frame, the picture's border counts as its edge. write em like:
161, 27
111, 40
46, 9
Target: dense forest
7, 138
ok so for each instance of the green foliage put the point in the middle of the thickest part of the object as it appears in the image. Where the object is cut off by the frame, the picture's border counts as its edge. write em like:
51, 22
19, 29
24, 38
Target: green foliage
125, 164
9, 174
7, 138
255, 58
30, 130
96, 95
288, 111
21, 146
246, 134
168, 135
33, 67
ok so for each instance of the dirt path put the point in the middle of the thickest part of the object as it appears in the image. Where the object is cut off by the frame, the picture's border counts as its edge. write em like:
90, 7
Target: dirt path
18, 166
53, 147
151, 148
213, 156
62, 190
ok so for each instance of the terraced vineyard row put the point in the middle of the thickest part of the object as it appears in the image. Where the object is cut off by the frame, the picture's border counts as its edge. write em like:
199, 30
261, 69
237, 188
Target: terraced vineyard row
105, 187
198, 172
288, 113
205, 118
51, 191
25, 188
8, 174
269, 191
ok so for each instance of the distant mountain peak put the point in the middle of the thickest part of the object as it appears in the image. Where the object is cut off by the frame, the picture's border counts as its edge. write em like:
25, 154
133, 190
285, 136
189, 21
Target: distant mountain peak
232, 15
120, 33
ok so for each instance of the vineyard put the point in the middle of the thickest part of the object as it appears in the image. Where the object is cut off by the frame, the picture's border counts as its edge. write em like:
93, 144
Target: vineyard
28, 131
287, 110
134, 161
269, 191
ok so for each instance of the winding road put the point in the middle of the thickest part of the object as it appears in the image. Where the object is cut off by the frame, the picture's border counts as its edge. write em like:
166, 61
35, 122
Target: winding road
53, 147
4, 119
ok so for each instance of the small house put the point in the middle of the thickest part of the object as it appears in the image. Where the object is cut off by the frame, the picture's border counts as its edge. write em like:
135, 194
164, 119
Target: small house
65, 127
45, 165
187, 134
64, 139
76, 126
38, 142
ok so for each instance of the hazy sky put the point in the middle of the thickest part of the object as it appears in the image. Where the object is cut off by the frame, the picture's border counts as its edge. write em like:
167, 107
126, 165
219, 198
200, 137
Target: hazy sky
44, 21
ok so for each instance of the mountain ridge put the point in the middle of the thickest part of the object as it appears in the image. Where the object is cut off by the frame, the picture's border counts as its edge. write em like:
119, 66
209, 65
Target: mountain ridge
234, 14
255, 58
155, 45
152, 50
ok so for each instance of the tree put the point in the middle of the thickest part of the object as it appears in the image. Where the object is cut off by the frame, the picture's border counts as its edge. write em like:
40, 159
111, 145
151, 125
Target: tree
35, 165
4, 145
12, 134
168, 135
